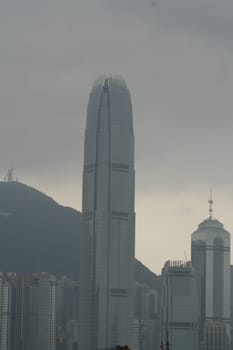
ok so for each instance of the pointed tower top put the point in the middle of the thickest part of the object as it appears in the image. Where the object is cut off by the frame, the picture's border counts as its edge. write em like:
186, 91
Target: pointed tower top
211, 202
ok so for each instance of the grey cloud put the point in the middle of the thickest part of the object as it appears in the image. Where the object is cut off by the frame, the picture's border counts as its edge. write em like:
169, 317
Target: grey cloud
176, 58
203, 17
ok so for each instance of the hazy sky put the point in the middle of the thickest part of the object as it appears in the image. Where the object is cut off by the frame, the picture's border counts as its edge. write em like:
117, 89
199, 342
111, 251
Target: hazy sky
177, 59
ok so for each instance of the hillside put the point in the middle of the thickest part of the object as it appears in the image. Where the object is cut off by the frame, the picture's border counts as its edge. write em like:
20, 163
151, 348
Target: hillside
38, 234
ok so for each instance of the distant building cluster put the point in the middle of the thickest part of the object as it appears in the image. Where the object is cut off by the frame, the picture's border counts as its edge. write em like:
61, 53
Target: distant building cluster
196, 304
190, 306
38, 312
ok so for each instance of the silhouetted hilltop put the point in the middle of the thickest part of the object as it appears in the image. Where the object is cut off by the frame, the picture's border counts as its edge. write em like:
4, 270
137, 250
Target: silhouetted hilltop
145, 276
38, 234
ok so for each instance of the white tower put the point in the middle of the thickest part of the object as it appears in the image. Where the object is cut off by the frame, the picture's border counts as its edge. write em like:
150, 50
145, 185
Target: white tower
211, 260
107, 240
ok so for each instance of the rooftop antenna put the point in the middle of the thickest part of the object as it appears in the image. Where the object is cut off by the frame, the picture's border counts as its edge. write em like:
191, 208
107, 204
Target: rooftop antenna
210, 201
9, 176
185, 256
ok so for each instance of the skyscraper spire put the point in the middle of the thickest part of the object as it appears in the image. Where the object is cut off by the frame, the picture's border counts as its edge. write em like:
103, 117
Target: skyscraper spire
211, 202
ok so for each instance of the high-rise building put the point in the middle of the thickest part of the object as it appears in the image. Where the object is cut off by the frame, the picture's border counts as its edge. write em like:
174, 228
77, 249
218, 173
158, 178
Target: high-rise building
231, 307
211, 260
146, 320
43, 312
179, 314
67, 313
4, 312
108, 219
20, 313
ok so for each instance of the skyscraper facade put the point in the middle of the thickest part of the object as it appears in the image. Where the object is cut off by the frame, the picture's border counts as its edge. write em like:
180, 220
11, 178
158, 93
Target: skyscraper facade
108, 219
4, 312
179, 314
20, 313
231, 307
146, 322
43, 307
67, 313
211, 260
27, 312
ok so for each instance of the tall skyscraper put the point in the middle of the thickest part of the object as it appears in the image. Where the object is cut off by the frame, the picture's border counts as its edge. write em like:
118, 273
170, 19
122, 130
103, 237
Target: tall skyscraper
211, 260
107, 240
179, 314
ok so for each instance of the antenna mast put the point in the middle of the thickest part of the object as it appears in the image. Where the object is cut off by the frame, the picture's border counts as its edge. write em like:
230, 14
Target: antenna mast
211, 202
9, 176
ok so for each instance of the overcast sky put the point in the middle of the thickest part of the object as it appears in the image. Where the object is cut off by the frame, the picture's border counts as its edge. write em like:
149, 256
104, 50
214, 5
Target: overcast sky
177, 59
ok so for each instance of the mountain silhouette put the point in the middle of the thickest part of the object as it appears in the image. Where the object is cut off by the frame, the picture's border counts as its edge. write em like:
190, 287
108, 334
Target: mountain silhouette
38, 234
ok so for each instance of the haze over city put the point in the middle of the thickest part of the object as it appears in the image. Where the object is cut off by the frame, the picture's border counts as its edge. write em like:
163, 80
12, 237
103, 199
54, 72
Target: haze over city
176, 57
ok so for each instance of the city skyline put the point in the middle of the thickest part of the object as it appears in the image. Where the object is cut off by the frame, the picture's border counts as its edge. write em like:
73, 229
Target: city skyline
177, 60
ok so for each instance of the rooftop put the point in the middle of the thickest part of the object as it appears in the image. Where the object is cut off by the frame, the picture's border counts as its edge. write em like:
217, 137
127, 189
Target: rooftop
112, 79
211, 223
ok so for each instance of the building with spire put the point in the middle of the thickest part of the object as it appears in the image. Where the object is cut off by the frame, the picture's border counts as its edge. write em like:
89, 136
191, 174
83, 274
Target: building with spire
107, 239
210, 250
